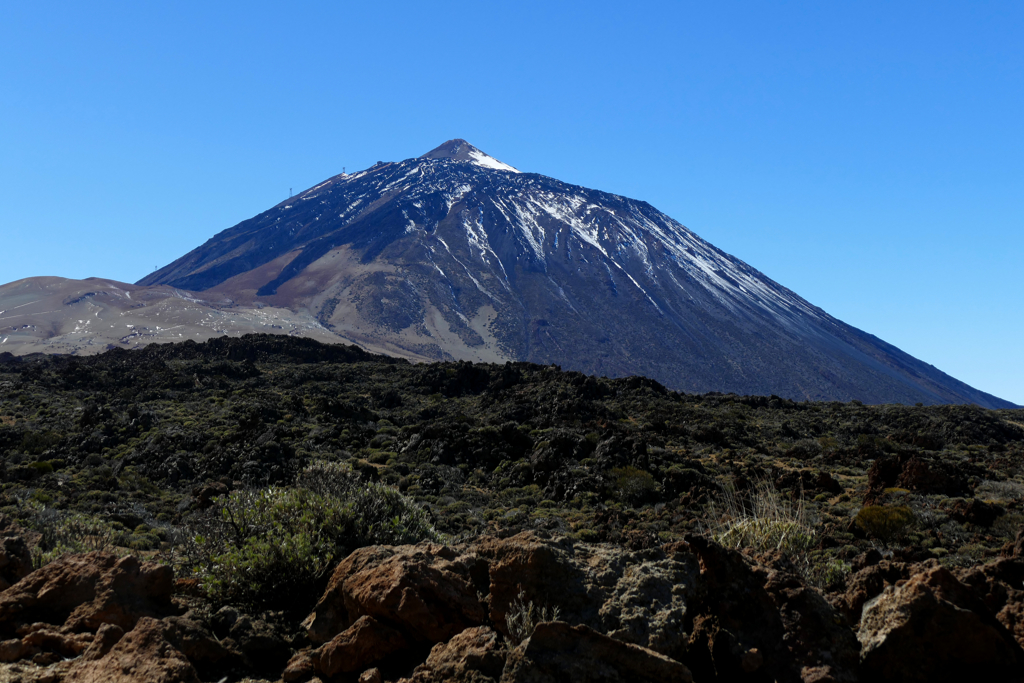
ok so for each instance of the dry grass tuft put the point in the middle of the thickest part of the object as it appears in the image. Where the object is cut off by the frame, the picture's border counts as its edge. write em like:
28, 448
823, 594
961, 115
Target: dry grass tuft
761, 518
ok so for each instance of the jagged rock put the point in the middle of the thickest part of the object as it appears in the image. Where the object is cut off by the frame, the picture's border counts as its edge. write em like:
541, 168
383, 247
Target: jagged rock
820, 645
204, 495
426, 591
733, 615
143, 655
15, 561
301, 666
473, 656
637, 597
365, 642
130, 590
371, 676
974, 511
648, 604
933, 628
201, 648
868, 583
717, 611
106, 638
261, 647
559, 652
14, 649
999, 585
82, 592
52, 640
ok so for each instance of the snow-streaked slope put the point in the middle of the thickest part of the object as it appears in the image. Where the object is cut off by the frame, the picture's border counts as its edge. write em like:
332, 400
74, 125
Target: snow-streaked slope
455, 254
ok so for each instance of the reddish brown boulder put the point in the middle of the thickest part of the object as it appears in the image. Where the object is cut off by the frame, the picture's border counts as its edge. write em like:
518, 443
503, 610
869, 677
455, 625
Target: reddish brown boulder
473, 656
559, 652
934, 628
365, 642
868, 583
301, 666
425, 590
52, 593
204, 495
106, 638
51, 640
142, 656
371, 676
128, 591
85, 591
1000, 585
541, 568
974, 511
14, 649
202, 649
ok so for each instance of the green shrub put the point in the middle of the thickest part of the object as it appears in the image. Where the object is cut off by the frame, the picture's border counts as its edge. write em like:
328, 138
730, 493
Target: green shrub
522, 617
269, 548
42, 466
885, 522
827, 573
63, 533
261, 547
632, 486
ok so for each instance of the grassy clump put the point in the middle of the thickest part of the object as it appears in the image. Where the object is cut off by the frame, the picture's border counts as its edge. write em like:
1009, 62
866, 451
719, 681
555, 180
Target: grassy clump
761, 519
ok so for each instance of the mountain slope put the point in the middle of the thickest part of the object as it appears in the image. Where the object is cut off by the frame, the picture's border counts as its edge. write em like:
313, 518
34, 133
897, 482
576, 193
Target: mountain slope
457, 255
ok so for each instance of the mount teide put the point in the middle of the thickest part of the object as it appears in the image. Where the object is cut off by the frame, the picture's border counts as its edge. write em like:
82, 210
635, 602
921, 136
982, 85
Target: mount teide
457, 255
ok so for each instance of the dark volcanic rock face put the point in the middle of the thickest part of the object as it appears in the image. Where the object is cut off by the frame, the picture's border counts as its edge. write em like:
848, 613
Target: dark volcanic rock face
455, 255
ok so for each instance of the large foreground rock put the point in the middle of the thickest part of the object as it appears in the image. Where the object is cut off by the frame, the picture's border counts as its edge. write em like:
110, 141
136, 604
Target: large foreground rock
476, 655
427, 591
559, 652
15, 560
722, 614
142, 656
83, 592
934, 628
363, 643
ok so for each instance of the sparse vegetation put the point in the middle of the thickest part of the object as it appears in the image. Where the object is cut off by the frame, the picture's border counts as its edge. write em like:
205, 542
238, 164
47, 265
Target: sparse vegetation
885, 522
314, 450
523, 616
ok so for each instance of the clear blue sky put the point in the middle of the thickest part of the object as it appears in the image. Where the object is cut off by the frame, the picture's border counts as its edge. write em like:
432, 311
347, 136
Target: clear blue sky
870, 156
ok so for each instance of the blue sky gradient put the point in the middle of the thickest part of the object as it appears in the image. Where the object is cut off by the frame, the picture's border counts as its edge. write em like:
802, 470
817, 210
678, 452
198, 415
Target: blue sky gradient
869, 156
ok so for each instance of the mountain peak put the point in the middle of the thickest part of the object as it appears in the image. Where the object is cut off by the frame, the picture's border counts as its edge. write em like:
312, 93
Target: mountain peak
460, 150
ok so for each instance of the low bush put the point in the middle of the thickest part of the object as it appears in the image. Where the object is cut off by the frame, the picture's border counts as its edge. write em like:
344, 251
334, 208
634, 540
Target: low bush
62, 532
633, 486
270, 548
885, 522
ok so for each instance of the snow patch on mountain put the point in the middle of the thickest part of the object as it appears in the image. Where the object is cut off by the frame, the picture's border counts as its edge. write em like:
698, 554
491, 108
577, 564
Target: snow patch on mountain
481, 159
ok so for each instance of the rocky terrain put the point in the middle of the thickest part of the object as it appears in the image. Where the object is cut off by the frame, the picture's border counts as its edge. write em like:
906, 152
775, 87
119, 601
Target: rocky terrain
86, 317
269, 508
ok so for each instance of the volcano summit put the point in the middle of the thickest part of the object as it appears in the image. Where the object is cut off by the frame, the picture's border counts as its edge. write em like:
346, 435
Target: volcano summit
456, 255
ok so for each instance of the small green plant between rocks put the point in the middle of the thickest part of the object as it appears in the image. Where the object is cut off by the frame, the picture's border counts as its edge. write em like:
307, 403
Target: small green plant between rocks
523, 616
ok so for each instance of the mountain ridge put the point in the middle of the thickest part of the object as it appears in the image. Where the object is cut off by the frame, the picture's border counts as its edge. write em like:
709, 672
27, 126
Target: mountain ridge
451, 255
